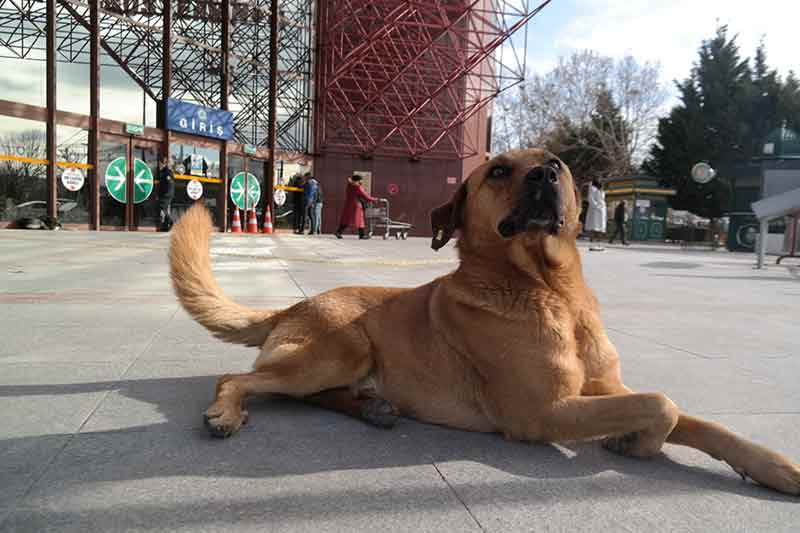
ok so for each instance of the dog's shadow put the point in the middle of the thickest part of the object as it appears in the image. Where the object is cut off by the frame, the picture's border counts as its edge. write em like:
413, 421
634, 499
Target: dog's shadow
289, 438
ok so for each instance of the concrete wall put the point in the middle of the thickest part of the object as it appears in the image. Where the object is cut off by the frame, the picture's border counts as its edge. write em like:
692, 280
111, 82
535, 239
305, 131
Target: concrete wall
422, 186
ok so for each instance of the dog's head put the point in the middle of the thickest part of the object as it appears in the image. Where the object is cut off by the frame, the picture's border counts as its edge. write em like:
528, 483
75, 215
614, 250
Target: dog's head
519, 196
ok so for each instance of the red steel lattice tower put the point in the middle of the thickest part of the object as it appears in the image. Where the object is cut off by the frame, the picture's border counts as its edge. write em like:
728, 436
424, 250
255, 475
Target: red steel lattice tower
400, 78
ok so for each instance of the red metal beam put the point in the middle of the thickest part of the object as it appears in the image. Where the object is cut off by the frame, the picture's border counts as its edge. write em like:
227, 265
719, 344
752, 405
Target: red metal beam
407, 83
94, 114
224, 89
51, 140
273, 103
464, 70
357, 53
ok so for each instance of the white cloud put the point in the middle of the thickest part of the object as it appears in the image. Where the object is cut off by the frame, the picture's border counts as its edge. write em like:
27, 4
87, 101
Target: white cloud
671, 31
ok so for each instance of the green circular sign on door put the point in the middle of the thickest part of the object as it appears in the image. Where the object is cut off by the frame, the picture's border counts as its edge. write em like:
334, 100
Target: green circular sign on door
238, 190
116, 180
142, 181
116, 176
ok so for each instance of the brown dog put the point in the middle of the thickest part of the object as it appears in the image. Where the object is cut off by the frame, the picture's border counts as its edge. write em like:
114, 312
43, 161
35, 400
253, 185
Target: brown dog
511, 342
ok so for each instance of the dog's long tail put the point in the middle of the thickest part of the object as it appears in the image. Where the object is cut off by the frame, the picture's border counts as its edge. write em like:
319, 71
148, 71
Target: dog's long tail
198, 291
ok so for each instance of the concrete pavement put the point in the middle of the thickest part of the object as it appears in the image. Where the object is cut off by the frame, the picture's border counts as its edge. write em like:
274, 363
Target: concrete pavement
103, 379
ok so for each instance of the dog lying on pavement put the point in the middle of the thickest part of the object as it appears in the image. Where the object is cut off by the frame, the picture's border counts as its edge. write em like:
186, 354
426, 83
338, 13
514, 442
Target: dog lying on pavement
510, 342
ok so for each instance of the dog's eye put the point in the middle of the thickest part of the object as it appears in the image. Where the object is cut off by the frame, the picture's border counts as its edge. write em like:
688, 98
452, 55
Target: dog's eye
499, 172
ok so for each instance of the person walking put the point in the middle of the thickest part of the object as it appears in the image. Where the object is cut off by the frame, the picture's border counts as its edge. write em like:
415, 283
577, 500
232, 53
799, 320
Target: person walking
166, 193
353, 211
310, 192
298, 203
316, 225
619, 222
596, 215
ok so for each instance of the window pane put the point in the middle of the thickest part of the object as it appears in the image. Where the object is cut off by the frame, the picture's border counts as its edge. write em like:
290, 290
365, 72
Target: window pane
112, 210
74, 187
23, 174
200, 163
23, 80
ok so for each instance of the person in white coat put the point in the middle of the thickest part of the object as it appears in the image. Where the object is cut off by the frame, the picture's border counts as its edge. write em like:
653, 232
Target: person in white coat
596, 215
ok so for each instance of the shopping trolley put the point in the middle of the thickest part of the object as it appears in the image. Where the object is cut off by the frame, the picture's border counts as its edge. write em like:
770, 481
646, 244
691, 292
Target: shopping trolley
378, 218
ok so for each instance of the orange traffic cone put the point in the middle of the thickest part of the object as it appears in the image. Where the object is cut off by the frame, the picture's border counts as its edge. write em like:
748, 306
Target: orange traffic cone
252, 222
267, 222
236, 225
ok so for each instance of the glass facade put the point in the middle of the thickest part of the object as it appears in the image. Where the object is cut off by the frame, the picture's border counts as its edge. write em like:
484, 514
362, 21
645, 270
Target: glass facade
131, 87
24, 81
196, 162
23, 169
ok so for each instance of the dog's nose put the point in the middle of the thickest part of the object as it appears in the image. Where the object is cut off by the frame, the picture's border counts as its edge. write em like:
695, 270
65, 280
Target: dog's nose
543, 174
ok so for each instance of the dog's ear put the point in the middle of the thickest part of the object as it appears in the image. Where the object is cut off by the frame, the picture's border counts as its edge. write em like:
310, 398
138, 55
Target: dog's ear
447, 218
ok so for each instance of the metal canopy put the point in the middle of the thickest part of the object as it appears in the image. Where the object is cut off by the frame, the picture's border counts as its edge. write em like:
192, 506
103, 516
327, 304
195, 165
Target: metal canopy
132, 37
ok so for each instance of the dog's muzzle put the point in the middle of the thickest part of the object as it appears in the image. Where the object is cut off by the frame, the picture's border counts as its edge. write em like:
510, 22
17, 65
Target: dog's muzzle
539, 205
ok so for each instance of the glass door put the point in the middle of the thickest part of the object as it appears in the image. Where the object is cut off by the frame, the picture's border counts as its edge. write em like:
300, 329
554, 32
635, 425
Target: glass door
128, 170
113, 176
144, 180
235, 167
256, 168
197, 175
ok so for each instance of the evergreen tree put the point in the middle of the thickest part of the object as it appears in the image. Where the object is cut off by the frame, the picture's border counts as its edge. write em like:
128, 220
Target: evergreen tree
789, 101
726, 111
725, 87
765, 95
680, 136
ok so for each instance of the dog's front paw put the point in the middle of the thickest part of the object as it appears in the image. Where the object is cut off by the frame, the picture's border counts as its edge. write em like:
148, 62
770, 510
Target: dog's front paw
621, 444
223, 421
768, 468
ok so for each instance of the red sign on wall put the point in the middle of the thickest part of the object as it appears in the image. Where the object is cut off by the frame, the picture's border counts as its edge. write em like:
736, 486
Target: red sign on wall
393, 188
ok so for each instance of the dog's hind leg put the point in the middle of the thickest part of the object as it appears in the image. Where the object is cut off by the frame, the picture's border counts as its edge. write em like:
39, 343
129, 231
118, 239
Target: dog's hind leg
290, 370
372, 410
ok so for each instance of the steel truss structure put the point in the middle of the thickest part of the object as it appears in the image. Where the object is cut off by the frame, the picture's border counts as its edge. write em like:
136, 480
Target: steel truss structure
402, 77
132, 37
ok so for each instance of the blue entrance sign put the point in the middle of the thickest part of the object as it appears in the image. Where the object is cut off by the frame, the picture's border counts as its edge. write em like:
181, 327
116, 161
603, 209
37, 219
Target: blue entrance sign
199, 120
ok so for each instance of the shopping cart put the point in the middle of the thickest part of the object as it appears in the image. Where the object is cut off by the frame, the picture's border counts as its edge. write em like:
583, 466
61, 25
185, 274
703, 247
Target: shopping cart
377, 216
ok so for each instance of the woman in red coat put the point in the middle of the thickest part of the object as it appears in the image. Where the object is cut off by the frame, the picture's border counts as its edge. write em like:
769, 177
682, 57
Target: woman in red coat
353, 211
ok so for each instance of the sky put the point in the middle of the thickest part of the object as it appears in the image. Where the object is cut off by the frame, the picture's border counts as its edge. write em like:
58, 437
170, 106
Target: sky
666, 31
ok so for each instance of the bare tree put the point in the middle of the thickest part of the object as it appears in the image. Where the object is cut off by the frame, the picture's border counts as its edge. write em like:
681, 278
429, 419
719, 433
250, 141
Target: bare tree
640, 95
568, 97
19, 180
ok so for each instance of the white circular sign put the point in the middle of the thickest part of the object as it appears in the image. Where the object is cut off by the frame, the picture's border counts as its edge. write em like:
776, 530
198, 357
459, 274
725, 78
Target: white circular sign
73, 179
280, 197
194, 189
702, 173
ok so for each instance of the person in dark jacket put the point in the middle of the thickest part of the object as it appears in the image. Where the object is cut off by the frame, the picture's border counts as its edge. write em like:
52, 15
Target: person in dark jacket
298, 203
315, 207
310, 190
619, 223
353, 210
166, 193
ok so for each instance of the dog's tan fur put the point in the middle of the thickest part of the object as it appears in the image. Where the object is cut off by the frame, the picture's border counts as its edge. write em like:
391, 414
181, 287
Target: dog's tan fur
511, 342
